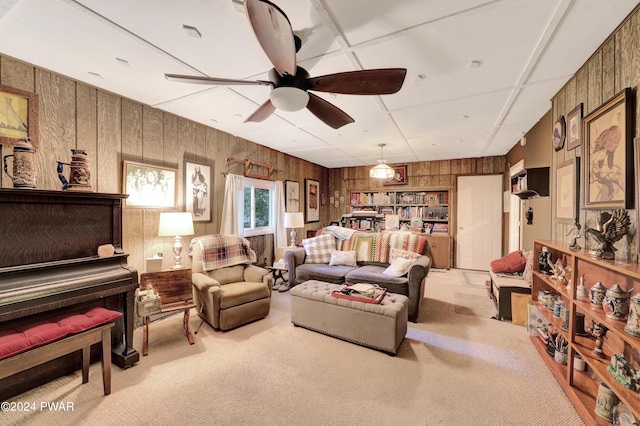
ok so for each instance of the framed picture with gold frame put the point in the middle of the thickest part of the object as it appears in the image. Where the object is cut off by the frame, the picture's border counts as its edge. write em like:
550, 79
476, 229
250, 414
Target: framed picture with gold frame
20, 119
608, 154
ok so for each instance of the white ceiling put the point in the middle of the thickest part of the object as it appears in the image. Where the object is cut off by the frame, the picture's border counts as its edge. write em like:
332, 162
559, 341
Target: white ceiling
446, 109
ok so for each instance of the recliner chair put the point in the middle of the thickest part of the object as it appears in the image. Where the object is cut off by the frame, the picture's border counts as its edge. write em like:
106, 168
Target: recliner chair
228, 290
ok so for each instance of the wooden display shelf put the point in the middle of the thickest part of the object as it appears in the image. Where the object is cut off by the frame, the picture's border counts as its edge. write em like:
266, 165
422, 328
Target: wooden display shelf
582, 387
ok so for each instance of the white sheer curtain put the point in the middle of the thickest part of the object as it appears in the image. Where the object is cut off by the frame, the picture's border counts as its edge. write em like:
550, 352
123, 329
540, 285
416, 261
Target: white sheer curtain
280, 239
233, 206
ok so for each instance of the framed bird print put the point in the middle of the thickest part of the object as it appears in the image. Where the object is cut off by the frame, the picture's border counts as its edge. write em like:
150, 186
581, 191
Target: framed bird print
568, 191
608, 154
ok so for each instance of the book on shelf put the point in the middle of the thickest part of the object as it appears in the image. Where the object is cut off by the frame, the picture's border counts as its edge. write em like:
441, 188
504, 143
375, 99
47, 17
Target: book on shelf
440, 227
361, 292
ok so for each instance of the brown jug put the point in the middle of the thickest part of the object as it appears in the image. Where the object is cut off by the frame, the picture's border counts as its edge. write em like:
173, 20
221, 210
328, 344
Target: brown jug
24, 165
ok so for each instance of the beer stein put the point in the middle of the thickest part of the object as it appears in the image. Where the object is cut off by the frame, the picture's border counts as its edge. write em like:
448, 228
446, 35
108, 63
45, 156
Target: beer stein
616, 303
24, 165
596, 295
80, 171
633, 322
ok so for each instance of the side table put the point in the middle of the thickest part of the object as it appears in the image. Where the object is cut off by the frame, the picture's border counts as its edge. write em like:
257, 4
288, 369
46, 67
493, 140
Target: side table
175, 291
277, 272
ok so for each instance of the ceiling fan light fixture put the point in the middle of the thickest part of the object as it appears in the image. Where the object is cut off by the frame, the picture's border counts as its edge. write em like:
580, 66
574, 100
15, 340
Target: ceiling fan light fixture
382, 170
289, 98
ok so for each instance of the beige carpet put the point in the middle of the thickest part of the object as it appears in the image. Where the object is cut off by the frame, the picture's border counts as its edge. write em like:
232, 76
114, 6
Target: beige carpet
474, 304
451, 370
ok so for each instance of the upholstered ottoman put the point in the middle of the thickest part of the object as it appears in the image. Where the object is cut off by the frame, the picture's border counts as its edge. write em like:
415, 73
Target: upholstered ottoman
378, 326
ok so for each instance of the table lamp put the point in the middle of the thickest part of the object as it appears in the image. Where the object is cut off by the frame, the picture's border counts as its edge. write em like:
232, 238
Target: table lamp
293, 221
176, 224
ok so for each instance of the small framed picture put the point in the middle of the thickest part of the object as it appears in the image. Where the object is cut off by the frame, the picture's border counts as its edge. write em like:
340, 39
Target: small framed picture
399, 176
574, 128
292, 196
149, 186
312, 200
197, 186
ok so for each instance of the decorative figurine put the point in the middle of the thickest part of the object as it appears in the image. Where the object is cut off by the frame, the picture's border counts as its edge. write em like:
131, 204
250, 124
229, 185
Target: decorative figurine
623, 373
598, 331
544, 261
633, 322
559, 272
611, 227
575, 234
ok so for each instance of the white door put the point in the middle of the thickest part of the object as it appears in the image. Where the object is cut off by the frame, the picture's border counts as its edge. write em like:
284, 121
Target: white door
479, 215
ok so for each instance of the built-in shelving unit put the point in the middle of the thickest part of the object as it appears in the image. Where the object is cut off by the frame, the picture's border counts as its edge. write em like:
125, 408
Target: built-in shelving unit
421, 210
582, 386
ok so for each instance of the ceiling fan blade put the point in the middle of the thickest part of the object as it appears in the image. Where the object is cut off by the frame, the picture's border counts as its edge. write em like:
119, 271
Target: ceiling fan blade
264, 111
213, 80
274, 33
384, 81
327, 112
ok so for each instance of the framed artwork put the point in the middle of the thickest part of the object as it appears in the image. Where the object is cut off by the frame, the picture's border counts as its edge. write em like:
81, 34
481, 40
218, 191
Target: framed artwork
292, 198
312, 200
399, 177
559, 133
568, 191
19, 116
574, 128
149, 186
198, 180
608, 155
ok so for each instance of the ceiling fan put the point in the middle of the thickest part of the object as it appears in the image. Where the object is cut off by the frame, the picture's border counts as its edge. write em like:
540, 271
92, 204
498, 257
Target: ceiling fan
291, 83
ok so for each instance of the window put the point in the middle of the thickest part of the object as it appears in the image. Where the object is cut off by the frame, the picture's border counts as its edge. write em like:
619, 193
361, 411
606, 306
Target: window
258, 201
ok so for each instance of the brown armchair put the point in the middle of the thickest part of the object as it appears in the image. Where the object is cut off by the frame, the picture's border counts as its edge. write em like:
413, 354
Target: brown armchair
228, 290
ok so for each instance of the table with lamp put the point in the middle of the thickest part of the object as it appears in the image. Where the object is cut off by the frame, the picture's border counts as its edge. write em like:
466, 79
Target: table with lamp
173, 286
292, 220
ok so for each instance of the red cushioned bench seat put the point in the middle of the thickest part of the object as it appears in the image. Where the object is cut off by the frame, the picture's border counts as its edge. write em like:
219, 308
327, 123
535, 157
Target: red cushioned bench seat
40, 341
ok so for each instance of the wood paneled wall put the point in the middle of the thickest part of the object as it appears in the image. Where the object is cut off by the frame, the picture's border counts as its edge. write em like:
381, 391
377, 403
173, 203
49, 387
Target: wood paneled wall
612, 68
421, 175
113, 129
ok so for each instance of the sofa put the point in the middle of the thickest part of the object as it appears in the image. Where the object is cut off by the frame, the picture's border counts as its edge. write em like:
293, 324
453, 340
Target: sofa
396, 261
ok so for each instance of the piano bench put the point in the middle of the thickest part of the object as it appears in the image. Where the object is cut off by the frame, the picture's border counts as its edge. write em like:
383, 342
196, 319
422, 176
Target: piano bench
38, 342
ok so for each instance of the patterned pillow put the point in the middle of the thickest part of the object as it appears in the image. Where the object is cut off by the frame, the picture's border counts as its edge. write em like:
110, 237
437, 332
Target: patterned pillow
346, 258
396, 253
319, 249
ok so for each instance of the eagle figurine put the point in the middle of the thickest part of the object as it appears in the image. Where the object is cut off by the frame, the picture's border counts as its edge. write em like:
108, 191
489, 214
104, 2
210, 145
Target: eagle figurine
611, 227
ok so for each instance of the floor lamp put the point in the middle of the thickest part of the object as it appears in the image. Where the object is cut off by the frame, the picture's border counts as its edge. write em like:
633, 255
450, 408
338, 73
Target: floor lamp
176, 224
293, 221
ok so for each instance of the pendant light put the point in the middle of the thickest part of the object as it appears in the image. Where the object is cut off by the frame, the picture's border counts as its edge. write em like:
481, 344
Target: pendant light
382, 170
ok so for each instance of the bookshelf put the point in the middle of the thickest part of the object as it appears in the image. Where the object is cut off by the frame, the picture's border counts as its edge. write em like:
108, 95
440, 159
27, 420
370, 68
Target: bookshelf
419, 210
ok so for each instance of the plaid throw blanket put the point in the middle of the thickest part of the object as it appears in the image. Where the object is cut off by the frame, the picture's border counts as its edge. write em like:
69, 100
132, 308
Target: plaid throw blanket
219, 251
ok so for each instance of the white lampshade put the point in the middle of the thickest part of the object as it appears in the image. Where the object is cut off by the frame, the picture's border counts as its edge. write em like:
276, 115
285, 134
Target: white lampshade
381, 171
293, 220
175, 223
289, 98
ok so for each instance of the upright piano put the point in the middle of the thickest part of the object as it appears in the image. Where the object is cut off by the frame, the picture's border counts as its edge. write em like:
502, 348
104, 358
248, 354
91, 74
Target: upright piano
49, 263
